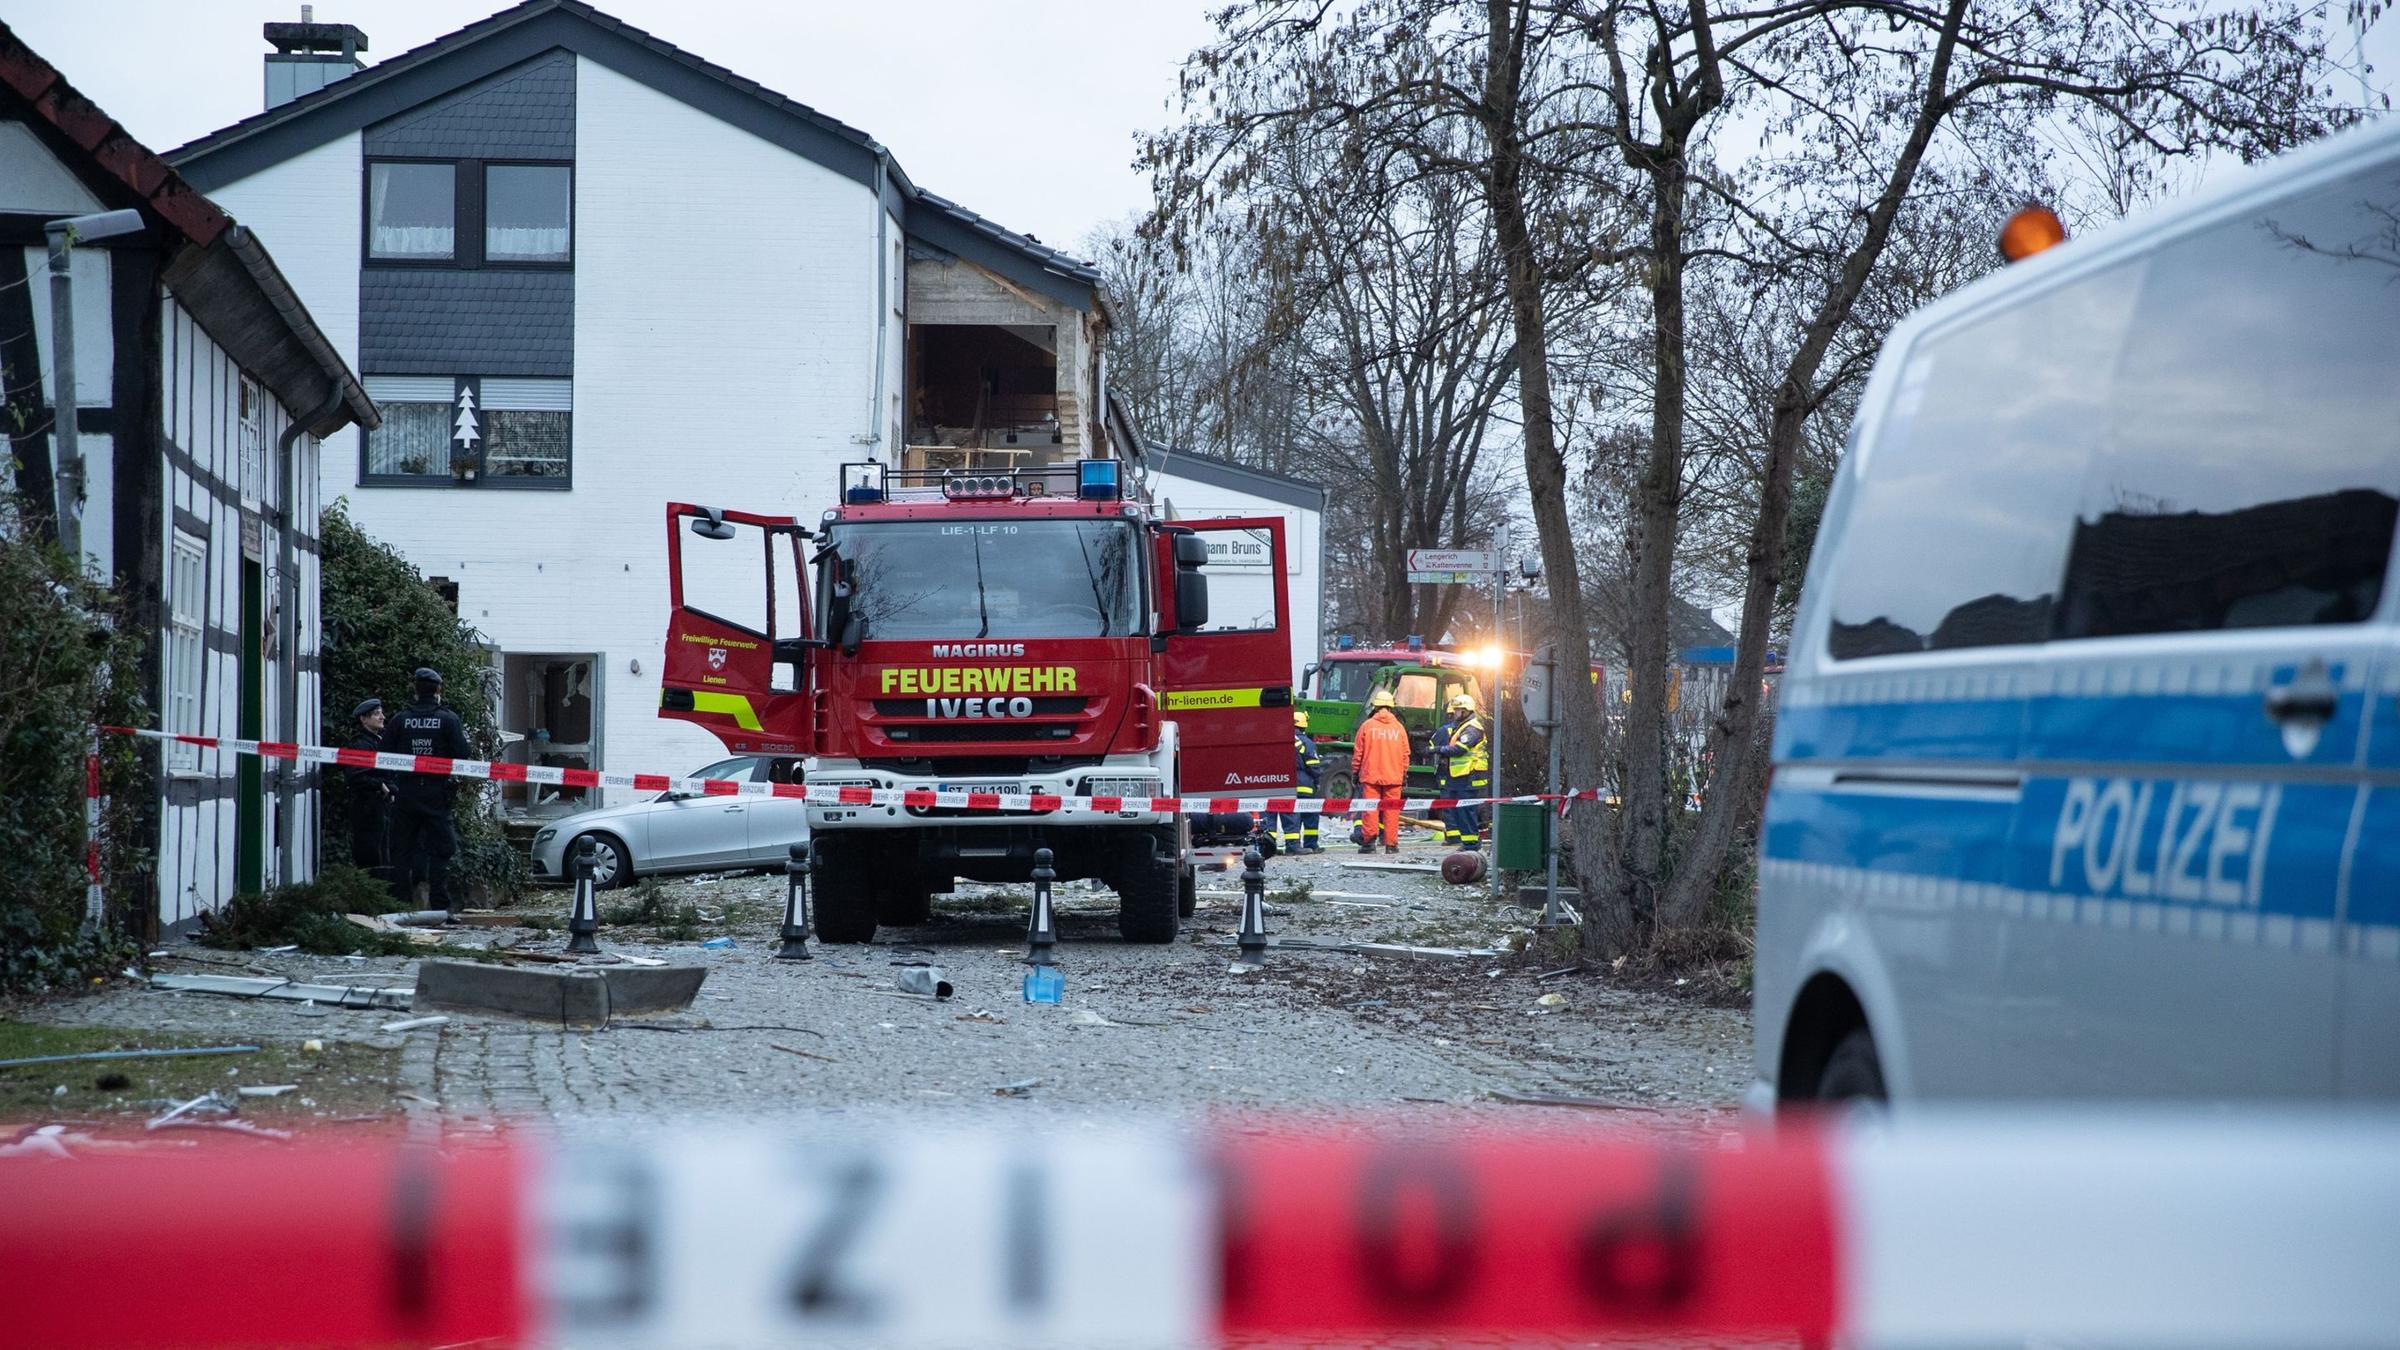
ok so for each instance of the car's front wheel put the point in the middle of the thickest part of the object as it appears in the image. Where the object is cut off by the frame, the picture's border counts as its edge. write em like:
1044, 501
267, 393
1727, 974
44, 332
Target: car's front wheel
1853, 1073
612, 864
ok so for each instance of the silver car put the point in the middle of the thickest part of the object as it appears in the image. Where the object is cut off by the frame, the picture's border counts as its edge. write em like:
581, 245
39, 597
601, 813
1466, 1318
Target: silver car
682, 831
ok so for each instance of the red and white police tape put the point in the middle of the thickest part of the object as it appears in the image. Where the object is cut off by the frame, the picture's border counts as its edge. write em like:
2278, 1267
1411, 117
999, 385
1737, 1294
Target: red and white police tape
2104, 1229
821, 794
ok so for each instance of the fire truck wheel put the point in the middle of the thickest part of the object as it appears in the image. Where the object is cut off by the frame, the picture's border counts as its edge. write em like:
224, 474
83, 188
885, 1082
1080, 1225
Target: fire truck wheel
1148, 894
845, 901
1187, 890
905, 900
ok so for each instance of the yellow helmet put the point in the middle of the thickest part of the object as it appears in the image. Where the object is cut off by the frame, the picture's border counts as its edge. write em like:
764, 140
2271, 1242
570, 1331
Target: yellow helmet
1382, 698
1462, 699
1299, 717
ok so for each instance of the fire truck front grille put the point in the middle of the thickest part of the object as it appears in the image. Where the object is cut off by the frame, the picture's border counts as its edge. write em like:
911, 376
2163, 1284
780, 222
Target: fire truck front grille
962, 732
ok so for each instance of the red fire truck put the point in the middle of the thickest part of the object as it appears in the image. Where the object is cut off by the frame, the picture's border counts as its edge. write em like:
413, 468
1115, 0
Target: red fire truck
1027, 631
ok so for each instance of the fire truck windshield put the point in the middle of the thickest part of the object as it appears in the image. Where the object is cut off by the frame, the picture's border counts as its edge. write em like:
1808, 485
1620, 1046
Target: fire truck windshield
992, 579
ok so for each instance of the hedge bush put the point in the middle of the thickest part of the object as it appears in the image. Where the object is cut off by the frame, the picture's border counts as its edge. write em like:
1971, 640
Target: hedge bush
382, 621
66, 663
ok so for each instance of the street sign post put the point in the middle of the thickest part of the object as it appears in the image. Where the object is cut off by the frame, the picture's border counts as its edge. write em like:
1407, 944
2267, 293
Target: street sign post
1481, 560
1466, 567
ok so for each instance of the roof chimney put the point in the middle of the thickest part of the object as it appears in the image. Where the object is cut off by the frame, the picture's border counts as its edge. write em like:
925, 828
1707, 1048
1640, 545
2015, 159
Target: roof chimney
309, 55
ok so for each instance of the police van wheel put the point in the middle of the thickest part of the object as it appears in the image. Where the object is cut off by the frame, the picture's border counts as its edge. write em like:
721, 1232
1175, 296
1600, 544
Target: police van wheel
1187, 890
1853, 1073
844, 898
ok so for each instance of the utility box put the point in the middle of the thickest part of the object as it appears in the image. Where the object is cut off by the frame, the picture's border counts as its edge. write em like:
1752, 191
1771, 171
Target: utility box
1521, 840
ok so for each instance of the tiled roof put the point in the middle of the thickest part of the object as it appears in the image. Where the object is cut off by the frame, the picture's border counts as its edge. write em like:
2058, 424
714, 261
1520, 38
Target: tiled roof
110, 145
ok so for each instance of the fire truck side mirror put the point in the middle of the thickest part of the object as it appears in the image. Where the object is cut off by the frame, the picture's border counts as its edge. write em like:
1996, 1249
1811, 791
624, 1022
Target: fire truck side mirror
712, 525
1190, 551
1191, 601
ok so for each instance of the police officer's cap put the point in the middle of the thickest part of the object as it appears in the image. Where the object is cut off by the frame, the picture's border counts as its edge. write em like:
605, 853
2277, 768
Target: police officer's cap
373, 705
427, 675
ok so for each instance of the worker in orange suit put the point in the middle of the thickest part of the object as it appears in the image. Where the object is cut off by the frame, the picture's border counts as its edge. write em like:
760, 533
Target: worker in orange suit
1379, 764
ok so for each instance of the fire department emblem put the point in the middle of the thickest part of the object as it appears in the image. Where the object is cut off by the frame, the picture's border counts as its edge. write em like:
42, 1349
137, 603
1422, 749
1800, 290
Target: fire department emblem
716, 658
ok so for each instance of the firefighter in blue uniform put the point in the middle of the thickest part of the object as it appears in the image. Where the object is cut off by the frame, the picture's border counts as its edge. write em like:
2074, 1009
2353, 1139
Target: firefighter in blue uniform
423, 839
1297, 833
1464, 746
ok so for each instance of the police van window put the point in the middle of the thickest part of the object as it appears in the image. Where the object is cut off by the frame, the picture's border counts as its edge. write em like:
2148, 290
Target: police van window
2252, 455
1958, 530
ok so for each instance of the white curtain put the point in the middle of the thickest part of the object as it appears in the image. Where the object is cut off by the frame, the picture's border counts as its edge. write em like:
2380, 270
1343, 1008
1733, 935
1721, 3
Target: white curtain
525, 243
412, 241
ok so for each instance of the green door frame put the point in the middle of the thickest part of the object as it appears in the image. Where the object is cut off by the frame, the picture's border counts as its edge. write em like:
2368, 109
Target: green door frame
250, 799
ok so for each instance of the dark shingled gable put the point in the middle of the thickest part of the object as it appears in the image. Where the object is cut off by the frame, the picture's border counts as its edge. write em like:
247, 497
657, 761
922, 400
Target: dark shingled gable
437, 321
527, 112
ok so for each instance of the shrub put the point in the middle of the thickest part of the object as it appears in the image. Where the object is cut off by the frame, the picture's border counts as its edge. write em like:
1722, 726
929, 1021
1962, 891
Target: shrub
309, 915
382, 621
66, 662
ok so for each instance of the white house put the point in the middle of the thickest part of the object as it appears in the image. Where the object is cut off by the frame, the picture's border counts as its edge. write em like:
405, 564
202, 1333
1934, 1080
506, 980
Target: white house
585, 273
201, 388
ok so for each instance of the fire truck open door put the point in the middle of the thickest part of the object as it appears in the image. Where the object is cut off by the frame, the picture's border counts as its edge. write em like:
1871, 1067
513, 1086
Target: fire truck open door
1225, 676
740, 638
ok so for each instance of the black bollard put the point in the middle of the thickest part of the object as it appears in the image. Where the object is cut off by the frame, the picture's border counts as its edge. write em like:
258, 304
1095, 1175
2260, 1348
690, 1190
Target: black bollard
795, 904
1253, 938
1041, 934
583, 921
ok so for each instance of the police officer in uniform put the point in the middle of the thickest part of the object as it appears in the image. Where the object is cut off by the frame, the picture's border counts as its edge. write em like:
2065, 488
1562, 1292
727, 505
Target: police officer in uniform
423, 839
370, 795
1297, 832
1465, 749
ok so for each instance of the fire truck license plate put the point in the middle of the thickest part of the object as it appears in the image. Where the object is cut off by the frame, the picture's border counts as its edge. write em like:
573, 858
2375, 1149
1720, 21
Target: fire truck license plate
1004, 789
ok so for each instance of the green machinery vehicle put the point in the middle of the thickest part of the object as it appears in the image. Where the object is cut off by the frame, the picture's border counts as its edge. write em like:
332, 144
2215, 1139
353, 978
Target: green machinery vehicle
1422, 684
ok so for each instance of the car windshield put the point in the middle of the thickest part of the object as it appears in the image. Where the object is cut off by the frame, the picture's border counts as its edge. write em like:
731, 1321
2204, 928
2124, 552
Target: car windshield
993, 579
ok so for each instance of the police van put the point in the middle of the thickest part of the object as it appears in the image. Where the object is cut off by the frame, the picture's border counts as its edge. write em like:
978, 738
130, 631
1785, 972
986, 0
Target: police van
2087, 754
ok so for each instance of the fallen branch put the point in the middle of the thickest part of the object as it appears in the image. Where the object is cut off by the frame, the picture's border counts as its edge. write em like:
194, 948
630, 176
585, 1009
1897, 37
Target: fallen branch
130, 1054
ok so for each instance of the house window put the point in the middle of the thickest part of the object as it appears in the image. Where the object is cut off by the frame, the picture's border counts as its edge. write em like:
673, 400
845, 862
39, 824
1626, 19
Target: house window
254, 440
522, 431
187, 645
412, 212
527, 213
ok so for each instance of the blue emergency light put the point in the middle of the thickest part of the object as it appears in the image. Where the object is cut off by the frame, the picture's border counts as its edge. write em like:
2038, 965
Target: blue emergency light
1416, 642
1096, 480
862, 482
1344, 643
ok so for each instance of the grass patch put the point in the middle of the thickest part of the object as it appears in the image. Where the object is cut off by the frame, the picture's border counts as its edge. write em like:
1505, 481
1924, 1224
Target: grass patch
647, 905
644, 902
1297, 893
342, 1079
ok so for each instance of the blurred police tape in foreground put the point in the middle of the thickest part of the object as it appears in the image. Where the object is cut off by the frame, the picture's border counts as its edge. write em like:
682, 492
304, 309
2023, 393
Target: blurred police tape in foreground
2102, 1228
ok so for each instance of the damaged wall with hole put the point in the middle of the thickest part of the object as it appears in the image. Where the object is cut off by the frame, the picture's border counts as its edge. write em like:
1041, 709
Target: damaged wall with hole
550, 712
997, 376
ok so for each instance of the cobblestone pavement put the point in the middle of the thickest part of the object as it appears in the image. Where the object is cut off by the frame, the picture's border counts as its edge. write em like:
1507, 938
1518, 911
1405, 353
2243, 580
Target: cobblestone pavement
1168, 1028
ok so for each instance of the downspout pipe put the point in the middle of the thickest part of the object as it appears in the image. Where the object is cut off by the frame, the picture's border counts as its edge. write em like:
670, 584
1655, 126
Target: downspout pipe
287, 626
883, 300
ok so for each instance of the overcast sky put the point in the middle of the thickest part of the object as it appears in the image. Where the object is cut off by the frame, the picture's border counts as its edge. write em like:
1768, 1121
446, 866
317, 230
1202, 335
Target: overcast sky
1022, 110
